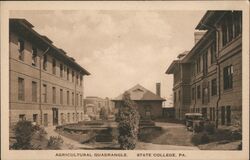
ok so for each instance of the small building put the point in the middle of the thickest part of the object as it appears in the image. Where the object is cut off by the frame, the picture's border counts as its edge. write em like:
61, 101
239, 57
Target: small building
148, 103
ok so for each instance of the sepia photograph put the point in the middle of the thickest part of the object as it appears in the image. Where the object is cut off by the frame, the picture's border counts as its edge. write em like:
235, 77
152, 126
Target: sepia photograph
105, 81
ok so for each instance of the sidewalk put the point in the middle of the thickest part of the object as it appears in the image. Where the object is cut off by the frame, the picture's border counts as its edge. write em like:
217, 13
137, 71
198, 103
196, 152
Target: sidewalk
67, 143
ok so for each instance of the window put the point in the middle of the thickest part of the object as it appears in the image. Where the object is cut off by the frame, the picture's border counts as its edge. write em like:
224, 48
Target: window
77, 78
198, 92
77, 99
22, 117
205, 97
81, 100
228, 77
20, 44
213, 87
34, 56
61, 70
223, 115
54, 95
61, 96
54, 66
34, 91
35, 119
228, 114
73, 76
198, 64
67, 73
68, 117
174, 96
67, 97
45, 62
205, 69
179, 93
44, 93
81, 80
213, 52
193, 93
21, 89
62, 118
231, 26
73, 98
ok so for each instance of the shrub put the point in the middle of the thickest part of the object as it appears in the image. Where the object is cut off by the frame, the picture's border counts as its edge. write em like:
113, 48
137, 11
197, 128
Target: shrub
23, 133
200, 138
128, 123
198, 128
236, 135
209, 128
55, 142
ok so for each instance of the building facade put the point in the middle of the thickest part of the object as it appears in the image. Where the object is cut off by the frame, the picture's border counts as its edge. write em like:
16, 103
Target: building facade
149, 105
208, 79
46, 85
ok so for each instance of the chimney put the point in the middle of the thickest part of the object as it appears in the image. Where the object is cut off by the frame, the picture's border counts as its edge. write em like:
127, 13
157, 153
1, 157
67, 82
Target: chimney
158, 89
198, 35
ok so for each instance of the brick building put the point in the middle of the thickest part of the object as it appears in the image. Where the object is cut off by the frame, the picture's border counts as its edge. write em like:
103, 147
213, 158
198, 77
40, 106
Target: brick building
208, 78
149, 105
46, 85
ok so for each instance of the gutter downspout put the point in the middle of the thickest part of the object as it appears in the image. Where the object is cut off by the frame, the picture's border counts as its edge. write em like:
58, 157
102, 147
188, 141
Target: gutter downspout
40, 88
218, 71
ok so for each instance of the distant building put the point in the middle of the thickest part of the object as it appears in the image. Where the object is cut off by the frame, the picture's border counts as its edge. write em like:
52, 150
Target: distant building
46, 85
93, 105
148, 103
208, 79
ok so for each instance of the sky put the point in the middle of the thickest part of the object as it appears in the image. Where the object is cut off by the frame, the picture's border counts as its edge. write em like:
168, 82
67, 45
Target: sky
119, 48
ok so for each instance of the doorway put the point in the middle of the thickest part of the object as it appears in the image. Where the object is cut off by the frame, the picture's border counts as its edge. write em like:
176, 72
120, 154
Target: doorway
55, 116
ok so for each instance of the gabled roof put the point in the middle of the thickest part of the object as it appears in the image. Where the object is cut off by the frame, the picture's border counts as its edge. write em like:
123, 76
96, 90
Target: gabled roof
172, 66
139, 93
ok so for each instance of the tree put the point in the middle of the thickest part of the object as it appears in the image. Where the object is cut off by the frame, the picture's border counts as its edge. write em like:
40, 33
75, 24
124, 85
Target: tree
128, 123
103, 113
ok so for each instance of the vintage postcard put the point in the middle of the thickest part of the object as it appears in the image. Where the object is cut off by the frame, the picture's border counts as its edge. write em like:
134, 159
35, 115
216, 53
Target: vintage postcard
125, 80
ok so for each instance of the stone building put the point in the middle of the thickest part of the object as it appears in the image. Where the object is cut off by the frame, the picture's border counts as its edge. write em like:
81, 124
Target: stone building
208, 79
46, 85
149, 104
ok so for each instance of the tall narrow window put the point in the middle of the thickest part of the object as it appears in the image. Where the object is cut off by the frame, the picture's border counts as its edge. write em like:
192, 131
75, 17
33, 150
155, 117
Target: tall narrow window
54, 66
54, 95
73, 98
77, 78
20, 44
45, 62
213, 87
61, 70
193, 93
21, 89
61, 96
34, 56
81, 80
77, 99
213, 52
198, 64
198, 92
81, 100
73, 76
44, 93
228, 77
67, 73
205, 68
174, 96
67, 97
34, 91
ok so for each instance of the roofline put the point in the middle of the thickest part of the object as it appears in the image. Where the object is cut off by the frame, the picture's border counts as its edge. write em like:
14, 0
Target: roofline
171, 67
43, 39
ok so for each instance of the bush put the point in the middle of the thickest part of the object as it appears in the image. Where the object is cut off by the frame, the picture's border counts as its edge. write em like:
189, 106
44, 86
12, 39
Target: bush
209, 128
200, 138
236, 135
198, 128
23, 134
55, 142
128, 123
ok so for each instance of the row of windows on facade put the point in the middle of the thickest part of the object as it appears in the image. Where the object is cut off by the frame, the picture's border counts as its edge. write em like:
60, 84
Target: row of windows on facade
22, 117
227, 81
63, 69
225, 114
21, 94
231, 28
